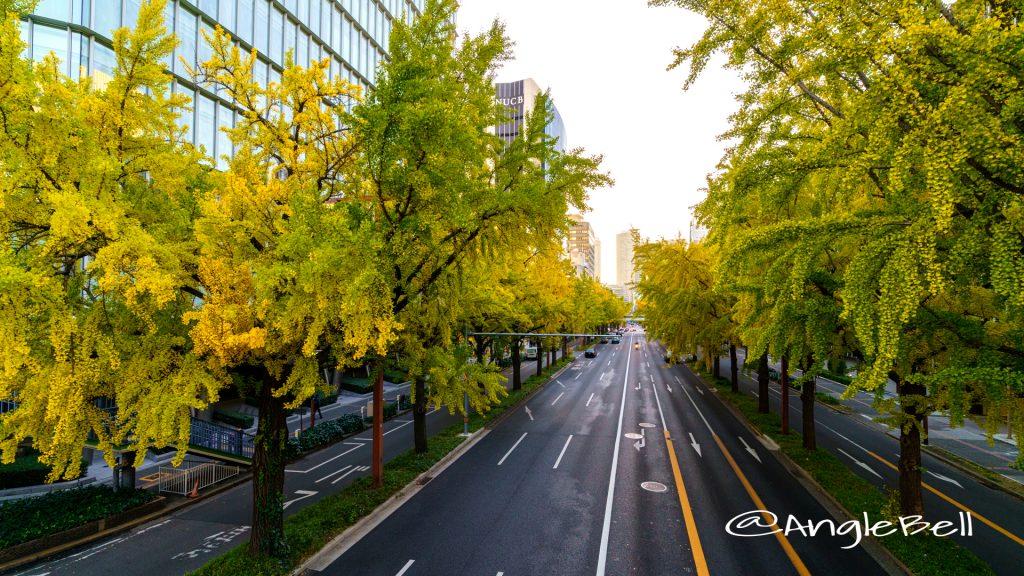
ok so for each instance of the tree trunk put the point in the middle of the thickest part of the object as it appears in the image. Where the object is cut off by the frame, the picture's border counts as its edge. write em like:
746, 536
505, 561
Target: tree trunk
912, 397
807, 402
419, 416
377, 462
734, 368
481, 346
715, 368
762, 384
517, 383
784, 382
267, 537
540, 358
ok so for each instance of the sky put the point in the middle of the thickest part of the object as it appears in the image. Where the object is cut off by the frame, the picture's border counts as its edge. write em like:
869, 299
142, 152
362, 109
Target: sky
605, 64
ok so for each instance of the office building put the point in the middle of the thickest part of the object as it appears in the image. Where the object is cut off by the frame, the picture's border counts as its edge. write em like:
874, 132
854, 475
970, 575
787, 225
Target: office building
520, 97
581, 246
625, 275
353, 34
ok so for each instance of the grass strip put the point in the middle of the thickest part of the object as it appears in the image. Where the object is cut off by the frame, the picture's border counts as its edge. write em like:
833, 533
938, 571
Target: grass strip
310, 529
925, 555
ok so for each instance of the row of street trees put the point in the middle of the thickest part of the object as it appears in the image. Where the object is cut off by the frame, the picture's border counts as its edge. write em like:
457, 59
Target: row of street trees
345, 229
871, 204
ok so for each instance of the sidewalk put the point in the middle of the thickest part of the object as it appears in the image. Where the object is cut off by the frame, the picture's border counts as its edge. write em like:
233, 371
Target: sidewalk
968, 441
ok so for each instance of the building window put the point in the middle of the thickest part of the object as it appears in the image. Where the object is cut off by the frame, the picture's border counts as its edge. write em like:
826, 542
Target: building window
46, 40
206, 123
103, 61
227, 15
56, 9
80, 13
262, 26
245, 8
186, 32
276, 35
108, 19
225, 120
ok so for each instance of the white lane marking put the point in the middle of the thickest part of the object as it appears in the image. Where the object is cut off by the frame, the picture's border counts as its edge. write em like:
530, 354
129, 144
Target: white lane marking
609, 363
602, 558
648, 364
329, 460
404, 568
699, 413
560, 383
304, 494
859, 463
697, 388
695, 445
557, 399
602, 375
339, 471
652, 377
562, 453
660, 413
749, 449
356, 469
500, 462
946, 478
754, 394
407, 422
529, 412
578, 376
591, 398
678, 381
836, 432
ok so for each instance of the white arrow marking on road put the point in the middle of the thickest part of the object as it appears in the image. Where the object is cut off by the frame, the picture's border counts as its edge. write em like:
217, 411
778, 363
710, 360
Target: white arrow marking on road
638, 385
749, 449
669, 388
305, 494
696, 446
529, 413
640, 444
859, 463
591, 398
946, 478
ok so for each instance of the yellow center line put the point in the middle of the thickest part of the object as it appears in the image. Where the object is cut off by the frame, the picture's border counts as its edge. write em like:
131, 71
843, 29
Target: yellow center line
984, 520
684, 501
783, 541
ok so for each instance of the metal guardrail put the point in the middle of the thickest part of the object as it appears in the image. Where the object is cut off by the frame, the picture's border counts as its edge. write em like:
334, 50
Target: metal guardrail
222, 439
193, 476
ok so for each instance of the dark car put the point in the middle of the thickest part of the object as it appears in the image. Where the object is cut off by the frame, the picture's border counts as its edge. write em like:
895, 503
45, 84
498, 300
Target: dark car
590, 353
616, 340
668, 356
604, 340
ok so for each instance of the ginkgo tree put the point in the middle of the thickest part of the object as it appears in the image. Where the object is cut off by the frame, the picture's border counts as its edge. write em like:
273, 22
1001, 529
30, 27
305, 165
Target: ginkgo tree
97, 203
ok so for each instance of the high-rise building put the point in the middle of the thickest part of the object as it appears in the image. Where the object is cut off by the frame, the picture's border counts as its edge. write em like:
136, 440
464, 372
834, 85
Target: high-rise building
520, 97
597, 258
581, 246
353, 34
625, 275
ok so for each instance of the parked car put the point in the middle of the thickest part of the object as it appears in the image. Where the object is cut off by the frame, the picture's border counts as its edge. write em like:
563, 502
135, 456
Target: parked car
616, 340
604, 340
590, 353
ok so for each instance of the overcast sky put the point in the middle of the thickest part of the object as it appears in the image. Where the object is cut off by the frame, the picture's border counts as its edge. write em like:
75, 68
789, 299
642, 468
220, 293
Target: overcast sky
605, 63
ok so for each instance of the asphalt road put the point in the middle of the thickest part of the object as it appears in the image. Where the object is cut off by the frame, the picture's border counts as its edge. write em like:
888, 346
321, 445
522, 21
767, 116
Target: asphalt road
621, 466
864, 446
187, 539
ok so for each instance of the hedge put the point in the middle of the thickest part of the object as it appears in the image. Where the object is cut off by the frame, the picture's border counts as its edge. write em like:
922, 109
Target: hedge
324, 433
233, 418
62, 510
357, 385
28, 471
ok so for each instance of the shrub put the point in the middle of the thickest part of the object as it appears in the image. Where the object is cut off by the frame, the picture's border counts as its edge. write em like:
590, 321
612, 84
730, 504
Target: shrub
324, 433
62, 510
28, 471
233, 418
357, 385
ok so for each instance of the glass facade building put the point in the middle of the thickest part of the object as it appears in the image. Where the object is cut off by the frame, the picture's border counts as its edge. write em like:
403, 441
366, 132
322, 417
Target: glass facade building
519, 97
353, 34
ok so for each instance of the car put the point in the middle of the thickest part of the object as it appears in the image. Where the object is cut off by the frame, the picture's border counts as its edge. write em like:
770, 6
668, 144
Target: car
590, 353
616, 340
668, 356
604, 340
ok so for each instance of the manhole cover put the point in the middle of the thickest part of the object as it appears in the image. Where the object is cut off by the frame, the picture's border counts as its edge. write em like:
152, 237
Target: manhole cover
647, 425
654, 487
633, 435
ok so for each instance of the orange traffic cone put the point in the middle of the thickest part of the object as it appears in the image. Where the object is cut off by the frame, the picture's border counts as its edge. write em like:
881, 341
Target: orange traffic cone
195, 490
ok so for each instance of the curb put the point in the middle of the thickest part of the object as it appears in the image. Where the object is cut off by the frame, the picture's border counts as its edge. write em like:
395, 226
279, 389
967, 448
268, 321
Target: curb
164, 511
353, 534
890, 563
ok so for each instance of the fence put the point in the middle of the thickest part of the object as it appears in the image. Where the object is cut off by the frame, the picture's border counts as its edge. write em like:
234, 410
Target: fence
193, 476
221, 439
